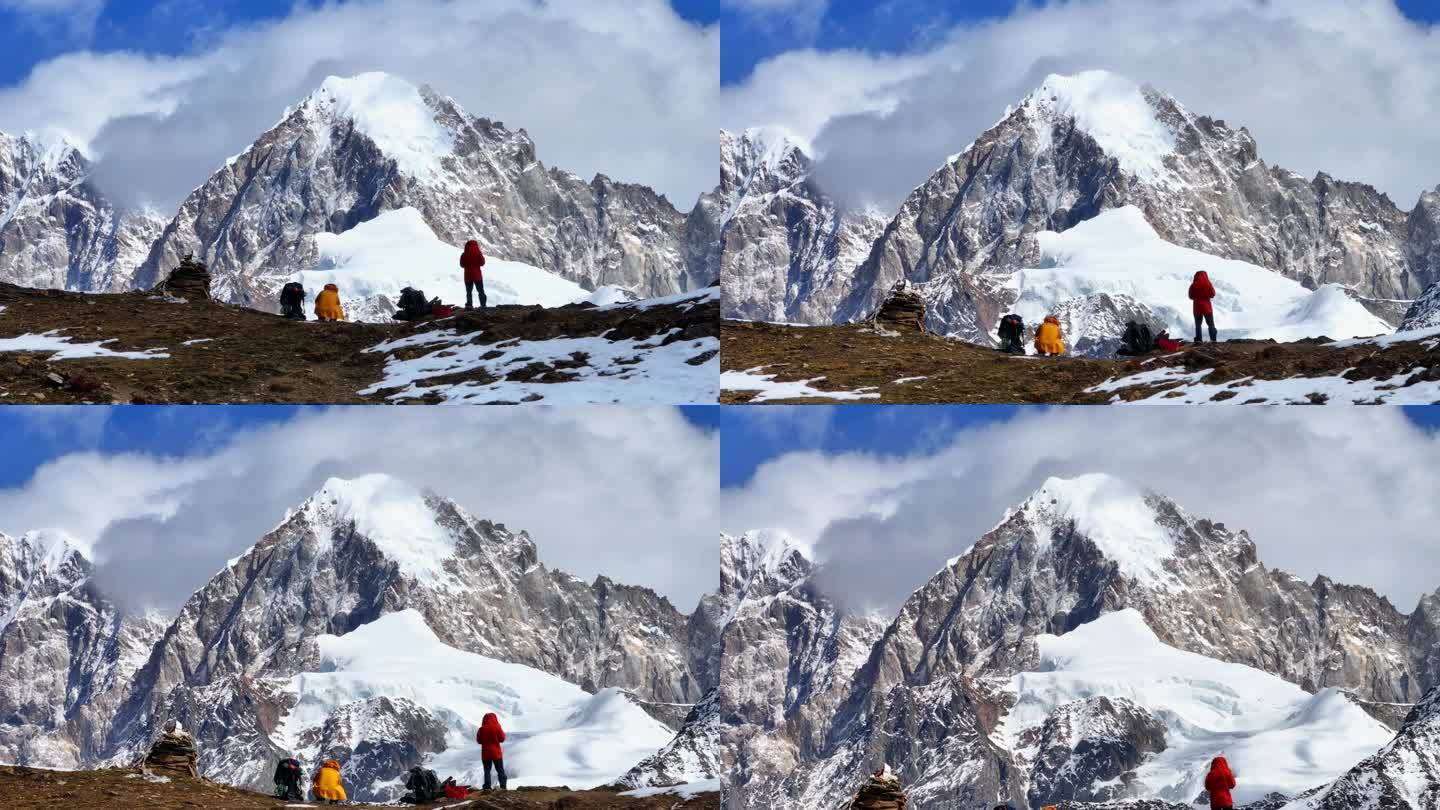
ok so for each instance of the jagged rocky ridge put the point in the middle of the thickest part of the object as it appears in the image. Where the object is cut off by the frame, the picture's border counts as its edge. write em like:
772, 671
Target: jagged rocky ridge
353, 149
1424, 313
1051, 162
57, 230
222, 666
932, 693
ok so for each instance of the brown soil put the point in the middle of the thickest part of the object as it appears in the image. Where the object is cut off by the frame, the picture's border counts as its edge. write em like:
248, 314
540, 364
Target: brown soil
855, 356
115, 788
253, 356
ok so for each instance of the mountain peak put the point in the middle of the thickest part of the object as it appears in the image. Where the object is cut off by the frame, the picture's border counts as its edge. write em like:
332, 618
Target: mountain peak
394, 515
1117, 516
392, 112
1113, 110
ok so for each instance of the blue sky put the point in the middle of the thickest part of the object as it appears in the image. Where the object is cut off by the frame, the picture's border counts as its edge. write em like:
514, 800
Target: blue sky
34, 435
895, 26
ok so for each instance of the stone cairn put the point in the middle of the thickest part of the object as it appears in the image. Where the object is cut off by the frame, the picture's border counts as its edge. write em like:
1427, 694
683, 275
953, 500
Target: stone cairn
881, 792
173, 754
191, 281
903, 310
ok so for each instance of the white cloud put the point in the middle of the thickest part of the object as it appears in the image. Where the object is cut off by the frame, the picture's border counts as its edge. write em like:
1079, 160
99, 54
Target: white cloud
621, 87
625, 492
1348, 493
1341, 86
803, 16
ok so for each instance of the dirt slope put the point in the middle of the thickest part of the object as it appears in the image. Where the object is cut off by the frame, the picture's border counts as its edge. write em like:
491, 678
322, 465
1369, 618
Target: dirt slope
226, 354
888, 360
23, 788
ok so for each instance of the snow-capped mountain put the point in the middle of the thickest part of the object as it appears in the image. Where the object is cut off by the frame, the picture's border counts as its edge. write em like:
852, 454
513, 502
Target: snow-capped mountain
1081, 145
787, 248
364, 145
57, 230
986, 686
322, 638
67, 654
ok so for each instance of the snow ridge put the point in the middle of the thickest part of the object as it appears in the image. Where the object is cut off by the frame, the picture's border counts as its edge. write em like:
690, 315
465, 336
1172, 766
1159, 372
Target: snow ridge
1111, 109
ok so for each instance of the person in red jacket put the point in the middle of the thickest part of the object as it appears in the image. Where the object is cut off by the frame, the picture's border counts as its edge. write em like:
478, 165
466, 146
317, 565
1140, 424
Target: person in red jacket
471, 261
1201, 291
490, 736
1219, 782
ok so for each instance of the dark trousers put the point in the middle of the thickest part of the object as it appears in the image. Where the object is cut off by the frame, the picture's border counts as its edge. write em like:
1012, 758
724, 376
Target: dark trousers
478, 287
499, 765
1208, 318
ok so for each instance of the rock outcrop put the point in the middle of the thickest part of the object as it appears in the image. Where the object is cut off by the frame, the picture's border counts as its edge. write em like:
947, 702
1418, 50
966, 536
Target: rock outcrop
172, 755
882, 791
190, 281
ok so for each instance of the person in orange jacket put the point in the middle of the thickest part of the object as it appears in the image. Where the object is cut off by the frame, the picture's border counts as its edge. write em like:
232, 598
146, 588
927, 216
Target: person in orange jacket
328, 787
492, 754
1048, 339
327, 304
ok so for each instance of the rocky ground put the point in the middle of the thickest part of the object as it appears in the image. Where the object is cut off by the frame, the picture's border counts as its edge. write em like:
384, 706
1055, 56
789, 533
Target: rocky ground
218, 353
884, 362
23, 788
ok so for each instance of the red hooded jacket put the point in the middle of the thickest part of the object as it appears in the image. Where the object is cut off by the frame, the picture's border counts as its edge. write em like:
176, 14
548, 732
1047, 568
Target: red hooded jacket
1220, 781
1201, 291
490, 736
472, 260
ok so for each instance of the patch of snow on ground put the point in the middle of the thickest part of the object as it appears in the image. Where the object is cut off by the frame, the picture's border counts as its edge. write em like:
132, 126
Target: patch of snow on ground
63, 349
379, 258
686, 791
1427, 334
769, 388
196, 342
631, 371
1276, 736
1119, 253
1192, 390
557, 734
906, 380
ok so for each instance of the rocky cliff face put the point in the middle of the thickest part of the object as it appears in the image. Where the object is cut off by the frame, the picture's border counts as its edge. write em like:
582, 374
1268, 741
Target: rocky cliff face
788, 248
373, 143
57, 230
930, 696
67, 655
1424, 313
1083, 144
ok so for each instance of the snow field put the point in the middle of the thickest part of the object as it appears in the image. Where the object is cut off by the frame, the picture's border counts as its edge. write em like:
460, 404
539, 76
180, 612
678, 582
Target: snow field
557, 734
1276, 736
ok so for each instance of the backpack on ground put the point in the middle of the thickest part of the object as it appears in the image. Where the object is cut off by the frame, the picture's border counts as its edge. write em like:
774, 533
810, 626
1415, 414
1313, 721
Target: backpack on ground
1137, 339
454, 791
1165, 343
287, 779
1012, 334
423, 786
292, 300
413, 305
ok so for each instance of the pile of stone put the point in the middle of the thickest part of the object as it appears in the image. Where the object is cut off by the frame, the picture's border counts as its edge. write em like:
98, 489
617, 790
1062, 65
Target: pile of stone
902, 311
881, 792
173, 754
191, 281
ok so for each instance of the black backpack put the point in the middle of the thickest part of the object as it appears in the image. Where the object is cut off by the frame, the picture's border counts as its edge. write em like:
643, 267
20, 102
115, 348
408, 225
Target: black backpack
423, 785
1012, 331
292, 297
413, 304
1138, 338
